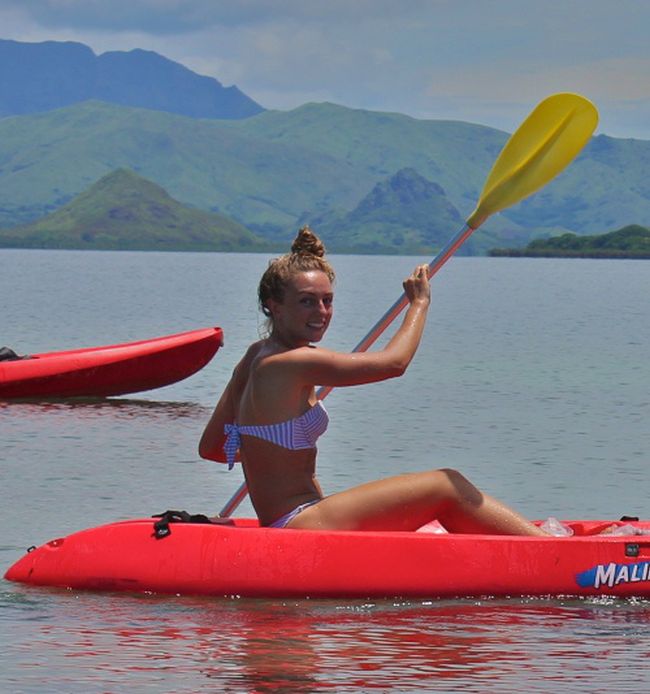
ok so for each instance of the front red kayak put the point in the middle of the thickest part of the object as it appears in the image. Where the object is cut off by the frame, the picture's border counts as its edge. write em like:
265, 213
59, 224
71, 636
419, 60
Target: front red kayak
243, 559
111, 370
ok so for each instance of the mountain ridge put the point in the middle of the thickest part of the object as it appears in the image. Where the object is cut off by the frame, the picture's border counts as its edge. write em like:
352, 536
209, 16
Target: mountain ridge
38, 77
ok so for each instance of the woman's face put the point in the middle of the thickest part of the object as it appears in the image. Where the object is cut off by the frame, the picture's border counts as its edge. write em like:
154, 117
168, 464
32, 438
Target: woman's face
305, 312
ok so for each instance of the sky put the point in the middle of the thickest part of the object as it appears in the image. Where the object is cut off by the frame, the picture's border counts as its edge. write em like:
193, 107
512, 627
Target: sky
482, 61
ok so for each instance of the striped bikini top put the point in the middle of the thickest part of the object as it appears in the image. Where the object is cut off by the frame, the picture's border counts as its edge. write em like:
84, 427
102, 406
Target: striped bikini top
295, 434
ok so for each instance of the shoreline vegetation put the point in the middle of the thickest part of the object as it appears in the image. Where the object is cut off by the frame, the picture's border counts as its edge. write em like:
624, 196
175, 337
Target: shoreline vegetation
631, 242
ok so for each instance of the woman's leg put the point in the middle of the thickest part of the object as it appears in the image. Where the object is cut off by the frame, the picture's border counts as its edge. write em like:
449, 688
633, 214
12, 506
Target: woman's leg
407, 502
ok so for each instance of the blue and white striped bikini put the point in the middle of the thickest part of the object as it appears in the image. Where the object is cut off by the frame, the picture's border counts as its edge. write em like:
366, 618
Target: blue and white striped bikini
295, 434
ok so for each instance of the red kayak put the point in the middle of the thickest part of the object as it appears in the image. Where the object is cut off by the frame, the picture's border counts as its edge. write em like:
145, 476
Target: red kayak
110, 370
238, 558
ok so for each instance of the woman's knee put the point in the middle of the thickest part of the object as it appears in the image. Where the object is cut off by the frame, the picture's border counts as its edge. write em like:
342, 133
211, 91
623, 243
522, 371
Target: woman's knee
453, 476
458, 487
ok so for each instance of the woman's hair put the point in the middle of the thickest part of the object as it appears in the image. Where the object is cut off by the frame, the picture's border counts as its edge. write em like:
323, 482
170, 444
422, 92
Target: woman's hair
307, 253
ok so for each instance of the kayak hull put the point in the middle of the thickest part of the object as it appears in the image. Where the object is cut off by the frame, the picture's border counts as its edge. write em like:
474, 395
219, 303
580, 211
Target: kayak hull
245, 560
110, 370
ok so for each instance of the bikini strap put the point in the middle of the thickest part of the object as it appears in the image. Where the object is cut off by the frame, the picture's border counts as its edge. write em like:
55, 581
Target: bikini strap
232, 443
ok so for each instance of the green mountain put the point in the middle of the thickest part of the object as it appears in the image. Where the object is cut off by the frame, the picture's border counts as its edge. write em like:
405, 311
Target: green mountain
124, 211
47, 158
405, 213
632, 241
274, 170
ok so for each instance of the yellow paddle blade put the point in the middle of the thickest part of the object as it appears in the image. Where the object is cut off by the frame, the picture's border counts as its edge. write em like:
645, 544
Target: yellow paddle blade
543, 145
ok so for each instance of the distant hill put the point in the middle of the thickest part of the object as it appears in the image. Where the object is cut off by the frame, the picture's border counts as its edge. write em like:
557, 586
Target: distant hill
124, 211
38, 77
629, 242
274, 170
267, 172
405, 213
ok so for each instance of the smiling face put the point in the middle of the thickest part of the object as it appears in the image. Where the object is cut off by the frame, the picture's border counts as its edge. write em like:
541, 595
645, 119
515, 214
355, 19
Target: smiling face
305, 311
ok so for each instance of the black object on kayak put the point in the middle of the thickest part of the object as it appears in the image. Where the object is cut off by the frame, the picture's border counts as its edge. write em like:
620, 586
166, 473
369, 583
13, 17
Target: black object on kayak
161, 527
7, 354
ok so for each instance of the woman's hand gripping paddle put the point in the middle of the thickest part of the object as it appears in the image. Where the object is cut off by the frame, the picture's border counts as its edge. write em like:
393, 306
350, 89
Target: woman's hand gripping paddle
543, 146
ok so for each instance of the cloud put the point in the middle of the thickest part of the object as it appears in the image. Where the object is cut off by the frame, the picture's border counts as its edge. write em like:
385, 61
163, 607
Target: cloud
181, 16
612, 78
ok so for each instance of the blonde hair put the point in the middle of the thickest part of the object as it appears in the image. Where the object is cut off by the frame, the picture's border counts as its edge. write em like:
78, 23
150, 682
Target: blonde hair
307, 253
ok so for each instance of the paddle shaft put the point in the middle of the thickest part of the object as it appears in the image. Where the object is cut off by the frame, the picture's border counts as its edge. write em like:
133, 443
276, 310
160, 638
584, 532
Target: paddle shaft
373, 335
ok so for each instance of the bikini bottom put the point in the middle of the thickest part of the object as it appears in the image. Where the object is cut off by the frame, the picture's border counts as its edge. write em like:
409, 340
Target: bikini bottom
283, 521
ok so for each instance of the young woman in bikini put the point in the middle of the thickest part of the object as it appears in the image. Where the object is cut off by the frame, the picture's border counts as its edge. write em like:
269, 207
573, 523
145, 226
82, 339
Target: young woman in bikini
269, 418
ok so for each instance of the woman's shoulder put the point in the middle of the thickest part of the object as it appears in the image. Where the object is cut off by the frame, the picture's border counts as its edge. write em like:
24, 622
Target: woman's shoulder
250, 355
254, 349
295, 355
301, 363
252, 352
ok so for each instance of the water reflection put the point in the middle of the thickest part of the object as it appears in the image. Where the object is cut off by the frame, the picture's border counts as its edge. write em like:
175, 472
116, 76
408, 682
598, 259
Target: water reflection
87, 408
307, 646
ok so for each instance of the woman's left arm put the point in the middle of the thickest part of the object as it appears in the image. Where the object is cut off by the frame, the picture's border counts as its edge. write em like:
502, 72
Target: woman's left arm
213, 438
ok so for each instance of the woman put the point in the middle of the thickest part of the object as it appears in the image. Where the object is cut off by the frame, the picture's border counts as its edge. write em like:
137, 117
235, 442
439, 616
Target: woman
269, 418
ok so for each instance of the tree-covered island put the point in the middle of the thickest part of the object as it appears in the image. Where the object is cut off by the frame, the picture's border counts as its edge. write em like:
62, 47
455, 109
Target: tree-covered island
632, 241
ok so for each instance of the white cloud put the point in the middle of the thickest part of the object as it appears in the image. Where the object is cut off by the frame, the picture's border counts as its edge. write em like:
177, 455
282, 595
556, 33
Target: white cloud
609, 78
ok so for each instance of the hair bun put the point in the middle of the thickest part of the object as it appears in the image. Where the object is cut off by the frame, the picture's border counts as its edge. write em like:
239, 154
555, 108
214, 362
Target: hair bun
307, 242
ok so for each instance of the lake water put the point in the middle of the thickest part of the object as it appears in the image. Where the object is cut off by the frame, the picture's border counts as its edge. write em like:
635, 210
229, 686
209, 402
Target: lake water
533, 379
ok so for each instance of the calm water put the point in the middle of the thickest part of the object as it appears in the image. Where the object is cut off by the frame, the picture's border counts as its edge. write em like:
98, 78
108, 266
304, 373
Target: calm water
533, 379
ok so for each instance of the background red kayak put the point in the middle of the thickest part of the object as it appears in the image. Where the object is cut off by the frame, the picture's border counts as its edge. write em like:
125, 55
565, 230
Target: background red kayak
110, 370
